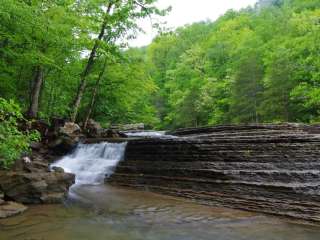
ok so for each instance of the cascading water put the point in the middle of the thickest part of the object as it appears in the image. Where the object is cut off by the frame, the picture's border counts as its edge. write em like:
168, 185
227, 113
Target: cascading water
91, 163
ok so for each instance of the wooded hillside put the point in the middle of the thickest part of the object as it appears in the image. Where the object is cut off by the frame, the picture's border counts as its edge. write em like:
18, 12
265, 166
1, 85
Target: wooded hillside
69, 58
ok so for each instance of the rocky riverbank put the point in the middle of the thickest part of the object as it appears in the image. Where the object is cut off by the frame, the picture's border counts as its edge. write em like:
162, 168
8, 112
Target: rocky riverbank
39, 186
31, 180
265, 168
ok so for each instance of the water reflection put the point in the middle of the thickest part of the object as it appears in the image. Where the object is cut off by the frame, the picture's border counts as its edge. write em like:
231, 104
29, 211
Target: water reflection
107, 213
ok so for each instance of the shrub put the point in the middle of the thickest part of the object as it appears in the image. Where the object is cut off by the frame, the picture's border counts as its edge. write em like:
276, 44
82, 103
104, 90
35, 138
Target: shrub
13, 142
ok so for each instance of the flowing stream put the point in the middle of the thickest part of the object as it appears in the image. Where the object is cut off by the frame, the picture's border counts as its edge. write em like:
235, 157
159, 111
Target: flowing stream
93, 162
96, 211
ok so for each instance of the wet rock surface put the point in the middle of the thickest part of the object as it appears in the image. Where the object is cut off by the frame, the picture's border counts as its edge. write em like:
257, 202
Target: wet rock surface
35, 188
30, 181
70, 129
93, 129
9, 209
265, 168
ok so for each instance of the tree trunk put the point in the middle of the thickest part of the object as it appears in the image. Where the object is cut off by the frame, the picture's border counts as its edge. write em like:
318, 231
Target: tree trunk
51, 105
35, 93
94, 94
83, 81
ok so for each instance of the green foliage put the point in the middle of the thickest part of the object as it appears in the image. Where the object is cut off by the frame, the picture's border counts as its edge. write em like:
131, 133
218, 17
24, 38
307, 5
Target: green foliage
13, 142
125, 93
56, 36
257, 65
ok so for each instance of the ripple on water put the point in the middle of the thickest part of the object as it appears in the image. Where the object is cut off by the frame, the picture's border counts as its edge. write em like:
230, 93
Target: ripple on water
102, 212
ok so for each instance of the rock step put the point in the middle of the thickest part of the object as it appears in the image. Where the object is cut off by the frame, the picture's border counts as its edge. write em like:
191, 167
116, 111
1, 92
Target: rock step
303, 193
307, 210
265, 168
281, 139
291, 186
307, 157
264, 176
220, 165
250, 127
198, 143
9, 209
220, 148
261, 132
277, 137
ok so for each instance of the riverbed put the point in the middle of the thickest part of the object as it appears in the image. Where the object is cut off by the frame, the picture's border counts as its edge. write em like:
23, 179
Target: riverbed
102, 212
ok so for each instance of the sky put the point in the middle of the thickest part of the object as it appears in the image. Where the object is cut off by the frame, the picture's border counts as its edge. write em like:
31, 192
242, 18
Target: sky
186, 12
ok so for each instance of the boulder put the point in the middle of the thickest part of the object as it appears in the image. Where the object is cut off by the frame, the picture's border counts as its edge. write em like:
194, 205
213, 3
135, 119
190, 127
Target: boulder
63, 144
57, 169
93, 129
70, 129
9, 209
109, 133
35, 188
66, 139
36, 166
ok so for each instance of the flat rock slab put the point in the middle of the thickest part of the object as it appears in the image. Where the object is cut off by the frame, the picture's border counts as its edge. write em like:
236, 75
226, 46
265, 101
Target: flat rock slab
263, 168
9, 209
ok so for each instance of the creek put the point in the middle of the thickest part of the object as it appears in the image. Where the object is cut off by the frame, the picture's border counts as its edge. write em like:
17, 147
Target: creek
94, 210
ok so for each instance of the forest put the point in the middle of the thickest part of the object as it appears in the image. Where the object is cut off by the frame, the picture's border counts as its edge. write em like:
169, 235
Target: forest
210, 131
71, 59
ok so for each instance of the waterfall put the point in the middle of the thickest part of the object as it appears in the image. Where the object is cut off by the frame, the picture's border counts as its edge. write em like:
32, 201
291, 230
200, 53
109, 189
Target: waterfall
91, 163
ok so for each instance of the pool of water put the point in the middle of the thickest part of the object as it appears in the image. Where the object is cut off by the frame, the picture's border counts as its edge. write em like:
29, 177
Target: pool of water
107, 213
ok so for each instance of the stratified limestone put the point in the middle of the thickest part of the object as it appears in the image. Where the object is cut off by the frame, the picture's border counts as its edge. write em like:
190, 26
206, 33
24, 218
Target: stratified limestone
9, 209
37, 187
266, 168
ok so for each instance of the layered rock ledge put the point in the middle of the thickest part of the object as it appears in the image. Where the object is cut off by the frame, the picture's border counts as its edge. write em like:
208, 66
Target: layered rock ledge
265, 168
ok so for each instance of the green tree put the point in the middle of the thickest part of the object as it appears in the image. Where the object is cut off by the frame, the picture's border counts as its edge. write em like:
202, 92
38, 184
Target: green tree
247, 85
13, 142
118, 18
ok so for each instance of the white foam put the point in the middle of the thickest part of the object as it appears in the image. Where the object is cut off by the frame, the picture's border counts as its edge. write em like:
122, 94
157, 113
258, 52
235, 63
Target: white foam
91, 163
